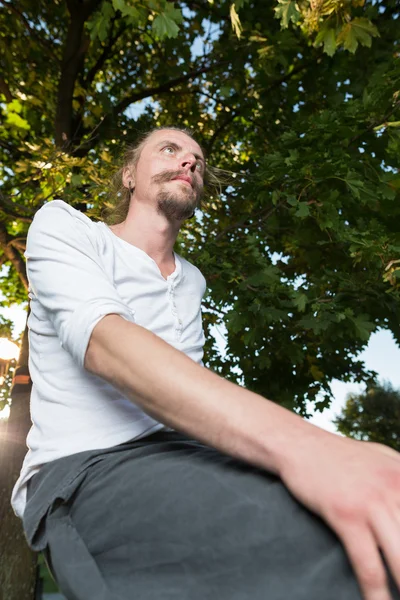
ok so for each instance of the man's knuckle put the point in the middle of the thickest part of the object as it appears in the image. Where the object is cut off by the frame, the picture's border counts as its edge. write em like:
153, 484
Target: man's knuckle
391, 478
359, 509
347, 511
372, 576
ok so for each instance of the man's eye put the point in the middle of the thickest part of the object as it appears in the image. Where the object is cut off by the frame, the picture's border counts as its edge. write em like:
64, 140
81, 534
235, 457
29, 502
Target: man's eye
199, 167
168, 148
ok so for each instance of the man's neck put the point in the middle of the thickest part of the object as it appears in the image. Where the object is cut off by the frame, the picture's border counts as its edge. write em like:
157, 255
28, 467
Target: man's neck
149, 231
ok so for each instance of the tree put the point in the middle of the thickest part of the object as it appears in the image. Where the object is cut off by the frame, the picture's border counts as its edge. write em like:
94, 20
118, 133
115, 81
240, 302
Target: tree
305, 241
373, 415
301, 104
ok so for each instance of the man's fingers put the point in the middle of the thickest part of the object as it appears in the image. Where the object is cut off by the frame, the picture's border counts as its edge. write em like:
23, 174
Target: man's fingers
386, 528
363, 552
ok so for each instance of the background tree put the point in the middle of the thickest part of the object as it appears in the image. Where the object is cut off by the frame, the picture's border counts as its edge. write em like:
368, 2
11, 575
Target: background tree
305, 243
300, 101
373, 415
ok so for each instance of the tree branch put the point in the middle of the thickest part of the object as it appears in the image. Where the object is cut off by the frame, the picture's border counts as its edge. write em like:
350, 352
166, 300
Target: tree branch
4, 89
8, 147
102, 58
28, 27
14, 217
160, 89
210, 143
75, 48
374, 124
211, 9
76, 122
5, 202
19, 244
13, 256
83, 6
262, 215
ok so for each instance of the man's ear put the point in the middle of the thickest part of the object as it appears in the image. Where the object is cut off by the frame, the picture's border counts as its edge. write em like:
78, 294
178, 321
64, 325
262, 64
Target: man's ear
128, 178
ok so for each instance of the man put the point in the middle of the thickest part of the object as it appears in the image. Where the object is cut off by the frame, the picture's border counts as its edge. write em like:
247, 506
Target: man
124, 505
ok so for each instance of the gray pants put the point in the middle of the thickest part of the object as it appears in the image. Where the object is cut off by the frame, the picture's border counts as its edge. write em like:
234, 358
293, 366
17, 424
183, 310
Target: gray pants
172, 519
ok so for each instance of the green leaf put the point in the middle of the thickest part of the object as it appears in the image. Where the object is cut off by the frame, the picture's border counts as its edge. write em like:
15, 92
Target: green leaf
240, 4
100, 24
166, 24
14, 106
287, 11
388, 191
275, 197
308, 322
292, 200
76, 179
303, 210
348, 38
316, 373
364, 30
119, 5
17, 121
363, 327
234, 321
355, 186
266, 277
394, 183
358, 31
292, 158
125, 9
300, 302
327, 37
249, 337
225, 91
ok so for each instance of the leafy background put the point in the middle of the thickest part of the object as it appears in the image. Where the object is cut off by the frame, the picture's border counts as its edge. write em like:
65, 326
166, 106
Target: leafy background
300, 100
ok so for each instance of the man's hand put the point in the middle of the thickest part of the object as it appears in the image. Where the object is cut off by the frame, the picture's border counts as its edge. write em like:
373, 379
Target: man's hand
355, 487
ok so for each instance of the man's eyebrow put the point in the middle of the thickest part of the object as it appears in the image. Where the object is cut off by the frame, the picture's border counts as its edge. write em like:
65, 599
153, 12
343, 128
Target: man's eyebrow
178, 147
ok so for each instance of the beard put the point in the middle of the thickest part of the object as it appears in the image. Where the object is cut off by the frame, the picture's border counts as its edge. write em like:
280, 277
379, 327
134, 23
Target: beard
177, 205
174, 207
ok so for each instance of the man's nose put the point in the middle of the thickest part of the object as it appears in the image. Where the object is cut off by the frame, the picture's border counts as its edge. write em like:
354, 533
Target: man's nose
189, 161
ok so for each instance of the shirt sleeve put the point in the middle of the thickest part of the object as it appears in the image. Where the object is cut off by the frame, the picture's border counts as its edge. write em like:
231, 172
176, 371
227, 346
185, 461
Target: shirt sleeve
67, 278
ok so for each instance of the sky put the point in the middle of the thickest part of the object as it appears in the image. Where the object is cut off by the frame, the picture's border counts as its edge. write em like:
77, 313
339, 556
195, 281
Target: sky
381, 355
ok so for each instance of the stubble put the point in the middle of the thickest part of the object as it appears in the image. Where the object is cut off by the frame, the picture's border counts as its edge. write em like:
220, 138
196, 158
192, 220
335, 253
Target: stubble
180, 204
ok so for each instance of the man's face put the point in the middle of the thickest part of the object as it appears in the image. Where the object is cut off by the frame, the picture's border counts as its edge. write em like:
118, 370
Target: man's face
170, 174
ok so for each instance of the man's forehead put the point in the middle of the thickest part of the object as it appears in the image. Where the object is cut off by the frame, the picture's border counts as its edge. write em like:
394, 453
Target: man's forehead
179, 137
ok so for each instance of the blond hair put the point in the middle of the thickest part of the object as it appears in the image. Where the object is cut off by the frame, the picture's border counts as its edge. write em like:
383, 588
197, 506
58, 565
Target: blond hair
116, 209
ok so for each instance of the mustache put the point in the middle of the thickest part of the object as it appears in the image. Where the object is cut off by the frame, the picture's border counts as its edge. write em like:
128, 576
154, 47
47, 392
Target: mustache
169, 175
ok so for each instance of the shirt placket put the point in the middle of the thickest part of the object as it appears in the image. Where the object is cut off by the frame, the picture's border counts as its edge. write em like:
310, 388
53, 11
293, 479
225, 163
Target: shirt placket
172, 303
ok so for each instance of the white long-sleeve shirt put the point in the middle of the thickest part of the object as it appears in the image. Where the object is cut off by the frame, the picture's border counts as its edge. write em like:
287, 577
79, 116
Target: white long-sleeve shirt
79, 271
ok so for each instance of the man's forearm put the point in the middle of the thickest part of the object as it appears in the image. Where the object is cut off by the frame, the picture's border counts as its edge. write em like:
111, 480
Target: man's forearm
176, 391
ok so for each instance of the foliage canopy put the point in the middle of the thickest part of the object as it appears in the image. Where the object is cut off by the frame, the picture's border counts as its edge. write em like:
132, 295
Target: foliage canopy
301, 102
372, 416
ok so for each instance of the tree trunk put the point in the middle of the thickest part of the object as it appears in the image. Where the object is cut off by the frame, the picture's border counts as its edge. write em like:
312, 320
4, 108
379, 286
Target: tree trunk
18, 564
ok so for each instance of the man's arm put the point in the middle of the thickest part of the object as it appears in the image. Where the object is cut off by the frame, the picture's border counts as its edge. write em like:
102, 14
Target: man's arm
352, 485
173, 389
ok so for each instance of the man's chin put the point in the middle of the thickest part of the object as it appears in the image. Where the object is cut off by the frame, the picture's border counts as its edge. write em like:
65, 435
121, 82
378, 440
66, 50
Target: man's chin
175, 207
